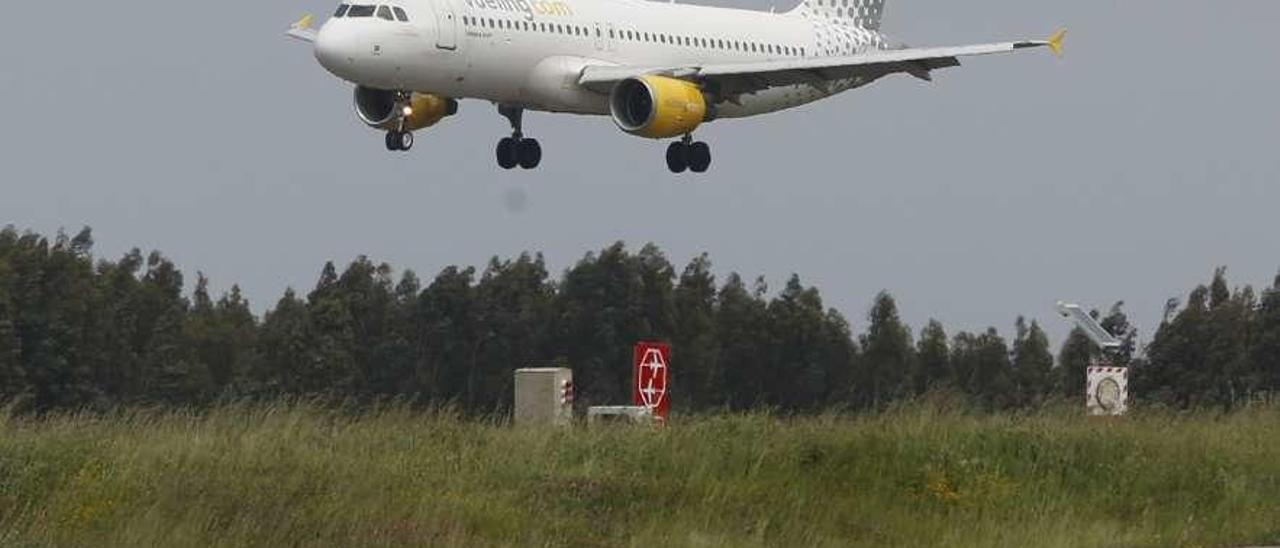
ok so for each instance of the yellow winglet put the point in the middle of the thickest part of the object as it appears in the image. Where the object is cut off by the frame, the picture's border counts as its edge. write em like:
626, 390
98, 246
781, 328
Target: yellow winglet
305, 22
1055, 42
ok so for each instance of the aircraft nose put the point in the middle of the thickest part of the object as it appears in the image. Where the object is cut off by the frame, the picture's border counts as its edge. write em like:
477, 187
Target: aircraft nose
336, 48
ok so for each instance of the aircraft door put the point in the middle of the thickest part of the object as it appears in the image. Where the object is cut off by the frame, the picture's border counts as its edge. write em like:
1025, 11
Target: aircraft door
599, 37
609, 38
446, 25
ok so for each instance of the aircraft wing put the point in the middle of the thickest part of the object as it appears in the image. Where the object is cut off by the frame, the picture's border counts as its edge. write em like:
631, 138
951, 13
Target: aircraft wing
748, 77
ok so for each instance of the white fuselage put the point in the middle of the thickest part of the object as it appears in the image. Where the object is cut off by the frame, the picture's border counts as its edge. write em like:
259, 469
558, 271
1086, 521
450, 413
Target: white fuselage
530, 53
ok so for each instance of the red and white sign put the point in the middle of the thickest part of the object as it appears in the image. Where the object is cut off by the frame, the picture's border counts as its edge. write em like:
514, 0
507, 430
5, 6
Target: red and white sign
652, 377
1107, 390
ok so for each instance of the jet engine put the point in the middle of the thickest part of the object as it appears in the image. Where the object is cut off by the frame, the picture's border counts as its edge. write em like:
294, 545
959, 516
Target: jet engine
658, 107
384, 109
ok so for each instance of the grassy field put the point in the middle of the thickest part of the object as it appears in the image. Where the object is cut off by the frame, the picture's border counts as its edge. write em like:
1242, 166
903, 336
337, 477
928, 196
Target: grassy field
299, 475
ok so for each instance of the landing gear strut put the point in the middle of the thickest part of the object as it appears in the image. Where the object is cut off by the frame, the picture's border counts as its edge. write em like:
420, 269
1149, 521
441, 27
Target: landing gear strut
688, 154
399, 138
516, 150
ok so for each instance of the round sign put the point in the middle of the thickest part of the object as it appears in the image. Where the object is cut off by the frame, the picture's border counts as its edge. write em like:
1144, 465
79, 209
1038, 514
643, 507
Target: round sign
652, 378
1107, 394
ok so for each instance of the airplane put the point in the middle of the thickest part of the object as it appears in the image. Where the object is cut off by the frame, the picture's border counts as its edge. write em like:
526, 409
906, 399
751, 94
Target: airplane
658, 69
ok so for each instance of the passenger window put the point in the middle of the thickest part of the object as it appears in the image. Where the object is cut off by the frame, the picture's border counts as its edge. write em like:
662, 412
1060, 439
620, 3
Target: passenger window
401, 15
361, 11
342, 11
385, 13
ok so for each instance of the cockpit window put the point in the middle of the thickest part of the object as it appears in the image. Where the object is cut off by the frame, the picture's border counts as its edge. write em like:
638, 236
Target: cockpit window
361, 11
342, 11
401, 15
385, 13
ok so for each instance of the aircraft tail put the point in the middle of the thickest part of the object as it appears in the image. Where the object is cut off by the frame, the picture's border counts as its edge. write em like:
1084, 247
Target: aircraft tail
861, 13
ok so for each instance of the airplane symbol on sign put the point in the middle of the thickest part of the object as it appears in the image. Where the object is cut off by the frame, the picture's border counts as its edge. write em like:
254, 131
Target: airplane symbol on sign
653, 379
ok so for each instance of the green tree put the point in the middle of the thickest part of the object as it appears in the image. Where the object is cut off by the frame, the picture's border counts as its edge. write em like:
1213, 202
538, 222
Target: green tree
223, 337
51, 293
742, 324
887, 354
1074, 358
603, 309
13, 380
367, 292
285, 345
700, 382
1032, 363
933, 359
1230, 332
1265, 354
399, 353
985, 358
514, 306
799, 374
331, 361
169, 371
447, 318
1178, 353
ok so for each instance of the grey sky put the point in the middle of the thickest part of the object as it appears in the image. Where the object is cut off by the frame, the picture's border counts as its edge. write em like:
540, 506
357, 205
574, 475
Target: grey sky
1128, 170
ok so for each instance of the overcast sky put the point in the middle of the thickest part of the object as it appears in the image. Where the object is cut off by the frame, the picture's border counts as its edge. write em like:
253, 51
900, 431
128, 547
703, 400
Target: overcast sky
1127, 170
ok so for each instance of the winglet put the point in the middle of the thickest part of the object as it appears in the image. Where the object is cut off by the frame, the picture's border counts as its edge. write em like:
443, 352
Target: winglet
302, 29
304, 23
1055, 42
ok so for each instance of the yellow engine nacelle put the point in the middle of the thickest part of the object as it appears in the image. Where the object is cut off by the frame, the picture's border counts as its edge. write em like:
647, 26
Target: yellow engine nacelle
657, 107
425, 109
388, 110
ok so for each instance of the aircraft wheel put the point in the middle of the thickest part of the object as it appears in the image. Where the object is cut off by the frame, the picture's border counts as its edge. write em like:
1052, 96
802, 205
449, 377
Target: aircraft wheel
677, 157
529, 152
392, 141
508, 153
405, 140
699, 157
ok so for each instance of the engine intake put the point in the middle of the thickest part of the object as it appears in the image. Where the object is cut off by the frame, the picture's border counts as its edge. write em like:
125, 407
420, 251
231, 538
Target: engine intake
657, 107
385, 109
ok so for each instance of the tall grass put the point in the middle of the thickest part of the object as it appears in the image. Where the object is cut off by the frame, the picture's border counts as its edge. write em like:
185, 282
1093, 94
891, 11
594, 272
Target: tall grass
302, 475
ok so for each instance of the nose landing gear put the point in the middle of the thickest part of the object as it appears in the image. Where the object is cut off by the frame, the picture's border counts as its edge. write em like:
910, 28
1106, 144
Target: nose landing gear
688, 154
517, 150
399, 140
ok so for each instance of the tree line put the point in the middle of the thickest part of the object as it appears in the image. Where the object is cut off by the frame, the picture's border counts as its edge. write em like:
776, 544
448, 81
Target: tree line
78, 333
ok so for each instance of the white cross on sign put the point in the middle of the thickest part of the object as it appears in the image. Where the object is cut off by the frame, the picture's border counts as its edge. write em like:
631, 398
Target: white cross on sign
653, 378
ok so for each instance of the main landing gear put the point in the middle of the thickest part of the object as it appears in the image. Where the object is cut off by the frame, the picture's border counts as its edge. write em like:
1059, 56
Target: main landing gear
516, 150
688, 154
